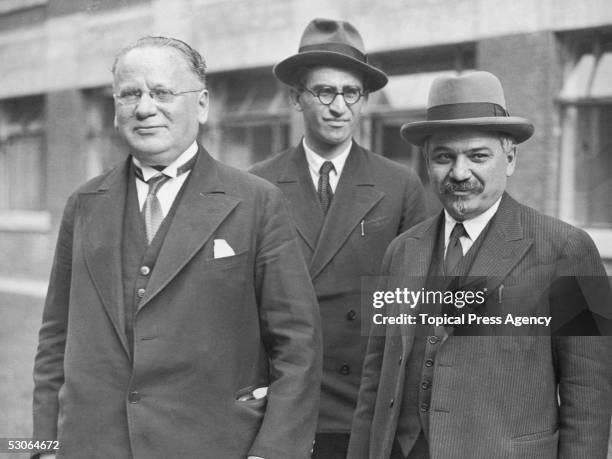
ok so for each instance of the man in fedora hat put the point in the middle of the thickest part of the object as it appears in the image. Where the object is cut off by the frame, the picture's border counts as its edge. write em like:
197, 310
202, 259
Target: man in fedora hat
439, 391
347, 203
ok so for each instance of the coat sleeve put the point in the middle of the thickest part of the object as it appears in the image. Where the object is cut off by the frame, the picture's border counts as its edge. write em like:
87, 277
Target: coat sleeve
584, 363
291, 331
359, 443
414, 207
49, 361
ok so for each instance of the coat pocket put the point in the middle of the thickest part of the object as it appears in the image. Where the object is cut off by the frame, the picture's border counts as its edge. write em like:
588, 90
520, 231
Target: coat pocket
539, 445
225, 262
253, 408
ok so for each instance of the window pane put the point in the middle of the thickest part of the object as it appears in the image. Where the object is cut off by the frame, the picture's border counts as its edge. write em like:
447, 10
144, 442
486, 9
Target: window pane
244, 145
23, 175
22, 167
594, 166
389, 143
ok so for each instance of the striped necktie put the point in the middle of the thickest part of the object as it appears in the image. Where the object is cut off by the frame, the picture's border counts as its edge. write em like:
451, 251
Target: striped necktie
152, 211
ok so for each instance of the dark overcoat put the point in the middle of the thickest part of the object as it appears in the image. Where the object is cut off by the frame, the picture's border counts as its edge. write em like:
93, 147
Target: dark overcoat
375, 200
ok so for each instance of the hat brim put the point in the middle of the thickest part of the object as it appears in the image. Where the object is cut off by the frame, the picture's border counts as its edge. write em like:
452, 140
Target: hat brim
519, 128
374, 79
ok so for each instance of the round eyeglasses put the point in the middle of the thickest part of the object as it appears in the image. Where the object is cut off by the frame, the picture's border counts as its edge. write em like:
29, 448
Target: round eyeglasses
159, 95
327, 94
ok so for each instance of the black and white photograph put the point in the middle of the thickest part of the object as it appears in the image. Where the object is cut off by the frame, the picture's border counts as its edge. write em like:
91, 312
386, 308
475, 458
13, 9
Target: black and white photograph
306, 229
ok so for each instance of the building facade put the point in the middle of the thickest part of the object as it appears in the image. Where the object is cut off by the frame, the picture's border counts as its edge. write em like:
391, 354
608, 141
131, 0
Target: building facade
554, 58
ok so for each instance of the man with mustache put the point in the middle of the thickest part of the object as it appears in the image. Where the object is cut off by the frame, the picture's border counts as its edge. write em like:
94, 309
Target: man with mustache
347, 203
456, 390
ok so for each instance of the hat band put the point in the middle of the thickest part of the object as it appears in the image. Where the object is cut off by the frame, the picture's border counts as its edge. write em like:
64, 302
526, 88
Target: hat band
465, 110
336, 48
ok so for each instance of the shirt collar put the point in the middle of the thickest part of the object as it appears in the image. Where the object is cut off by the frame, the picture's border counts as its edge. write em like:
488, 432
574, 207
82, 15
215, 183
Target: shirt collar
171, 169
315, 161
473, 226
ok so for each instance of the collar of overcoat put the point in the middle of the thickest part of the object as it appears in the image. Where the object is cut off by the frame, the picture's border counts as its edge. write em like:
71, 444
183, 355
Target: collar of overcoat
202, 208
355, 196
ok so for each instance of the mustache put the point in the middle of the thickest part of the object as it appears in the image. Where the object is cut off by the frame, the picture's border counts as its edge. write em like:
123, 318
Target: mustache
450, 186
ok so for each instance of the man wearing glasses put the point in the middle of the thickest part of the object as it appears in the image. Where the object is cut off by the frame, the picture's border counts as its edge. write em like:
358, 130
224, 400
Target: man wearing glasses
180, 321
347, 202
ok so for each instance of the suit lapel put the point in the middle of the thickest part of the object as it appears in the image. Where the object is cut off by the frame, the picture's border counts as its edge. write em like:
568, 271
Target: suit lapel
202, 208
419, 249
504, 245
103, 215
296, 183
355, 196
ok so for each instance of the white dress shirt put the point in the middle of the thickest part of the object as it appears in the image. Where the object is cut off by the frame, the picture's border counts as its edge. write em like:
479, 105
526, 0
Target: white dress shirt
473, 227
169, 190
315, 162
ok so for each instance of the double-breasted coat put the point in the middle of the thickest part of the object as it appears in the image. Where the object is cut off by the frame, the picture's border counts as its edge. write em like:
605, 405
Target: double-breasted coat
206, 332
375, 200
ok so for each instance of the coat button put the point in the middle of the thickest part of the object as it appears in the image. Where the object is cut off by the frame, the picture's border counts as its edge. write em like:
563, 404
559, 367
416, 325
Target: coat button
425, 385
140, 292
391, 403
145, 270
134, 397
433, 339
351, 315
429, 363
424, 407
345, 369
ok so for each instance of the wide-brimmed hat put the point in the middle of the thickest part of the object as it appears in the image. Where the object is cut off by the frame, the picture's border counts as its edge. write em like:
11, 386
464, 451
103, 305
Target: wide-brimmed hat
331, 43
474, 100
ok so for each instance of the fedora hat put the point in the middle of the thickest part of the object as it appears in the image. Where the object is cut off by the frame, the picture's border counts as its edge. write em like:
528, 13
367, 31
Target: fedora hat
332, 43
474, 100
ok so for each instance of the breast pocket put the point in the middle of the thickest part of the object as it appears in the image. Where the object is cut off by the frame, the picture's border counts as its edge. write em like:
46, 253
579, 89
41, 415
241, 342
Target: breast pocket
225, 262
374, 225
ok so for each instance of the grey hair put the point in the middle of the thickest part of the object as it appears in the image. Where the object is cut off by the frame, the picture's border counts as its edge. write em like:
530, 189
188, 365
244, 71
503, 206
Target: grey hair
194, 60
508, 142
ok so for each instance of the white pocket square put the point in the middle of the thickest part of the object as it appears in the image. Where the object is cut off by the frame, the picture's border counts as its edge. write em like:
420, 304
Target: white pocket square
222, 249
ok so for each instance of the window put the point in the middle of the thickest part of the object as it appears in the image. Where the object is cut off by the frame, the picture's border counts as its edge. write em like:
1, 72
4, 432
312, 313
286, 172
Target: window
586, 147
104, 145
249, 118
22, 165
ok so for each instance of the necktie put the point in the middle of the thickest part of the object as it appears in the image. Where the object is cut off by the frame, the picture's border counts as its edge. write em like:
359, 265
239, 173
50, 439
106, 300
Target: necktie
152, 211
454, 252
324, 190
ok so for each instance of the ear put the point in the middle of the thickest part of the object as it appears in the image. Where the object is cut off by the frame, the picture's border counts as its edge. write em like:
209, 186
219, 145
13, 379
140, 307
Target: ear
115, 123
511, 158
203, 103
295, 98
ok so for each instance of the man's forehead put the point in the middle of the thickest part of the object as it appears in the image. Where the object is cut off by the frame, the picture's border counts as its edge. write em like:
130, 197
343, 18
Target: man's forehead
330, 75
156, 63
146, 56
464, 139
